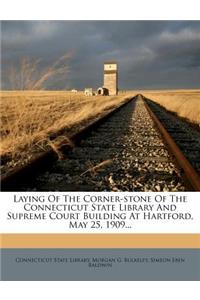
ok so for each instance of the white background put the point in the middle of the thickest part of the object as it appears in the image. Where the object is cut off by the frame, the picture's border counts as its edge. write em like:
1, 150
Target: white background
100, 10
142, 290
84, 9
137, 226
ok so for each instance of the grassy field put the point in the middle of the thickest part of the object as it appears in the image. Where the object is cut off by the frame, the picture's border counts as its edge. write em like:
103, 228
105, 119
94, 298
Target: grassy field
29, 118
185, 103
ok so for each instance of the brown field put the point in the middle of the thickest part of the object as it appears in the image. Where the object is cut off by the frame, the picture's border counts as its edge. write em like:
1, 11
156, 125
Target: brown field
185, 103
28, 118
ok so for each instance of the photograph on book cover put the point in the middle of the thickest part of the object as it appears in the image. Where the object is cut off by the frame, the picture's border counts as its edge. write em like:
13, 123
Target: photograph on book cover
100, 150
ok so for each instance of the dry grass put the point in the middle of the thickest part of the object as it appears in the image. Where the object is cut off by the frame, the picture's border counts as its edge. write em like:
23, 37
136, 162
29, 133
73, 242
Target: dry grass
185, 103
28, 118
29, 75
59, 143
93, 170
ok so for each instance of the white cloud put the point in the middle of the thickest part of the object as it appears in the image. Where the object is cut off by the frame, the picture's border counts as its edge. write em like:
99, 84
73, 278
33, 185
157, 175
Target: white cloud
184, 35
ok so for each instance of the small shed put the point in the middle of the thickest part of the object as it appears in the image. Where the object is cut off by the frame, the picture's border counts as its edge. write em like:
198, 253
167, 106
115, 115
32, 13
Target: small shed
88, 92
102, 91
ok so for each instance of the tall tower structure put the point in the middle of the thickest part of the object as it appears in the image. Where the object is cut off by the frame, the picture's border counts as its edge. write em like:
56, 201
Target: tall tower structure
111, 77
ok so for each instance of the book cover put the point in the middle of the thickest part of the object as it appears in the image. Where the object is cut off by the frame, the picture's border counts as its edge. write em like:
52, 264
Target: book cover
100, 151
